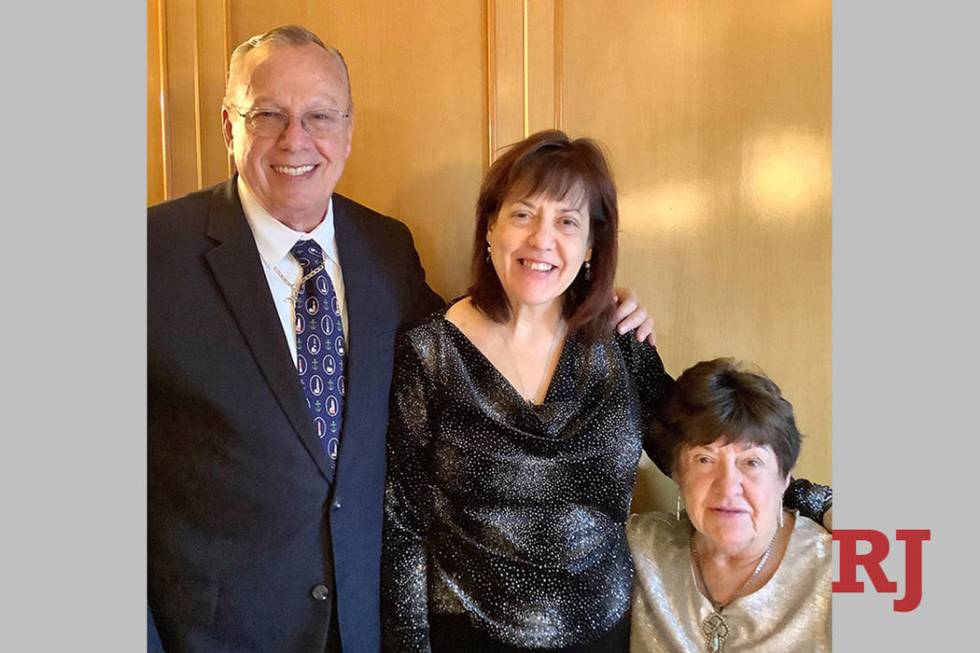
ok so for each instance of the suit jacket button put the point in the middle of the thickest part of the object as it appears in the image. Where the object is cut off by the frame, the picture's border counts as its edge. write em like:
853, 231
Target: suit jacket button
336, 504
321, 593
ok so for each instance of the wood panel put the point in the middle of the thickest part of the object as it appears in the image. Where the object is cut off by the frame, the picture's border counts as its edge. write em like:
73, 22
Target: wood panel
524, 66
193, 57
213, 50
510, 125
156, 190
181, 126
540, 65
718, 120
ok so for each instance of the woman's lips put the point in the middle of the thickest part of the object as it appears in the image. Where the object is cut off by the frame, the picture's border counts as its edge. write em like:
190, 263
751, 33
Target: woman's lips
729, 512
536, 266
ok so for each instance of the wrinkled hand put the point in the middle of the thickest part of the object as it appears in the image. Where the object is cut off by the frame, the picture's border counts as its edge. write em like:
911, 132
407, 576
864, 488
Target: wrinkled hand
630, 315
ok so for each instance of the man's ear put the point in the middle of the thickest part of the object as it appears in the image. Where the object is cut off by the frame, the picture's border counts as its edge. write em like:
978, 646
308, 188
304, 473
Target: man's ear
350, 135
226, 129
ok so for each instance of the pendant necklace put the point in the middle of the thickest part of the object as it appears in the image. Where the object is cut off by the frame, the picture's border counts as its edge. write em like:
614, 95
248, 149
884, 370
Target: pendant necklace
715, 627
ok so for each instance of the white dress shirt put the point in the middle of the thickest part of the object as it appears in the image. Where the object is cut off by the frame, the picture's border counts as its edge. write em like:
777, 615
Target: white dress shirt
274, 240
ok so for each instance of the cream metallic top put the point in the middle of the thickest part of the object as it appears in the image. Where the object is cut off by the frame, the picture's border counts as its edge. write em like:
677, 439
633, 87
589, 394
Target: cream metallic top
791, 613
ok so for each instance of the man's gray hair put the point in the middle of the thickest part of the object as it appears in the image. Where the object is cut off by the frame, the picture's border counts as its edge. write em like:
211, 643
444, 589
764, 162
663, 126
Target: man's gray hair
294, 35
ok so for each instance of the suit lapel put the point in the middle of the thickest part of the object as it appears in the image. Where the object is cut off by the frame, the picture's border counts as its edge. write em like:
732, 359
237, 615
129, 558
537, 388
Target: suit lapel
356, 262
369, 314
238, 270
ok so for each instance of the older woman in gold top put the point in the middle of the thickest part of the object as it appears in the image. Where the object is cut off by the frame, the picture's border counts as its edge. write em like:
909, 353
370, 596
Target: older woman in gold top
735, 572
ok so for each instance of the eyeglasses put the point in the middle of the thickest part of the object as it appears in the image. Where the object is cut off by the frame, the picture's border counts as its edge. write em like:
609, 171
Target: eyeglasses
268, 123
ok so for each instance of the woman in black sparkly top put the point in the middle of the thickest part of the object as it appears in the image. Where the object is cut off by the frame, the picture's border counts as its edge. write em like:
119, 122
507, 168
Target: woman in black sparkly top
517, 422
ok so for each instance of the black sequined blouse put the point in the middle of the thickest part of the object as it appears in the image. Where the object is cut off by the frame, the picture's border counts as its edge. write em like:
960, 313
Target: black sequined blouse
509, 513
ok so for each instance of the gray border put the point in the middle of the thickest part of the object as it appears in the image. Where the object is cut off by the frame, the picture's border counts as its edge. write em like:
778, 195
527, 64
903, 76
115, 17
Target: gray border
905, 288
74, 400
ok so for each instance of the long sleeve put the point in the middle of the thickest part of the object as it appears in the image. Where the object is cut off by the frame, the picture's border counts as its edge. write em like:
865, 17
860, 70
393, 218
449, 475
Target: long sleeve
811, 499
653, 385
404, 571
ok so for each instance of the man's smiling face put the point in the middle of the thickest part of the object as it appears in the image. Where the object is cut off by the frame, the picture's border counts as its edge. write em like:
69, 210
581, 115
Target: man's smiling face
292, 174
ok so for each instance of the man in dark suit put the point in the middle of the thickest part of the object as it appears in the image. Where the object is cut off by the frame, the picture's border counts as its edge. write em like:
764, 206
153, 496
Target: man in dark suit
264, 502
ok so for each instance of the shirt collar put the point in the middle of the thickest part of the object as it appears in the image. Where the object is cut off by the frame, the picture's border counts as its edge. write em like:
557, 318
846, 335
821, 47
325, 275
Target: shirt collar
273, 238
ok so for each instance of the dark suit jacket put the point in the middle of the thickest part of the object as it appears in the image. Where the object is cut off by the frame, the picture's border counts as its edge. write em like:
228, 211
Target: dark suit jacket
245, 522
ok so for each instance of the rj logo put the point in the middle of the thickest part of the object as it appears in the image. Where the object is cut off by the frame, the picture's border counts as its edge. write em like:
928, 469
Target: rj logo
849, 559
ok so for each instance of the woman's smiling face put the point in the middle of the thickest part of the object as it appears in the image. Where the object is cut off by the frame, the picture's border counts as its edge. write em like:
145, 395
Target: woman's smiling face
733, 492
538, 245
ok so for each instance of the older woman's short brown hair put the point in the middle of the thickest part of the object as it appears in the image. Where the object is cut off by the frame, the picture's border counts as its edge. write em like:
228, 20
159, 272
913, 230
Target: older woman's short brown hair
723, 399
551, 164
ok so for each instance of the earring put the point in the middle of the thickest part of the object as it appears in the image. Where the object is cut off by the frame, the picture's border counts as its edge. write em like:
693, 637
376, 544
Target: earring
780, 517
488, 252
677, 510
588, 271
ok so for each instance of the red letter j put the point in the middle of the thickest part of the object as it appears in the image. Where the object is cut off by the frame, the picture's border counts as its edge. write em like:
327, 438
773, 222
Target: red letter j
913, 568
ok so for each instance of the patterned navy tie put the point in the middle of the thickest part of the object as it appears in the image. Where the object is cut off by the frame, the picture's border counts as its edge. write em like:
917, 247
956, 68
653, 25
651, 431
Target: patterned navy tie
320, 347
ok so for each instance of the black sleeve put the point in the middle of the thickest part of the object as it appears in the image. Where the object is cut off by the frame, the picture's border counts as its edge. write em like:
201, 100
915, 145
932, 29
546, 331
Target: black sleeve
404, 561
811, 499
653, 385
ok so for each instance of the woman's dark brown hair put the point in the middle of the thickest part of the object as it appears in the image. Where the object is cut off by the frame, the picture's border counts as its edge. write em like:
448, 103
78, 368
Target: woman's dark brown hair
722, 398
549, 163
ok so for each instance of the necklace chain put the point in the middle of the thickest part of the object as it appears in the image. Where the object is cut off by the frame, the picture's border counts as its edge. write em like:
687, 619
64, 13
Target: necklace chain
715, 626
738, 592
295, 288
559, 328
